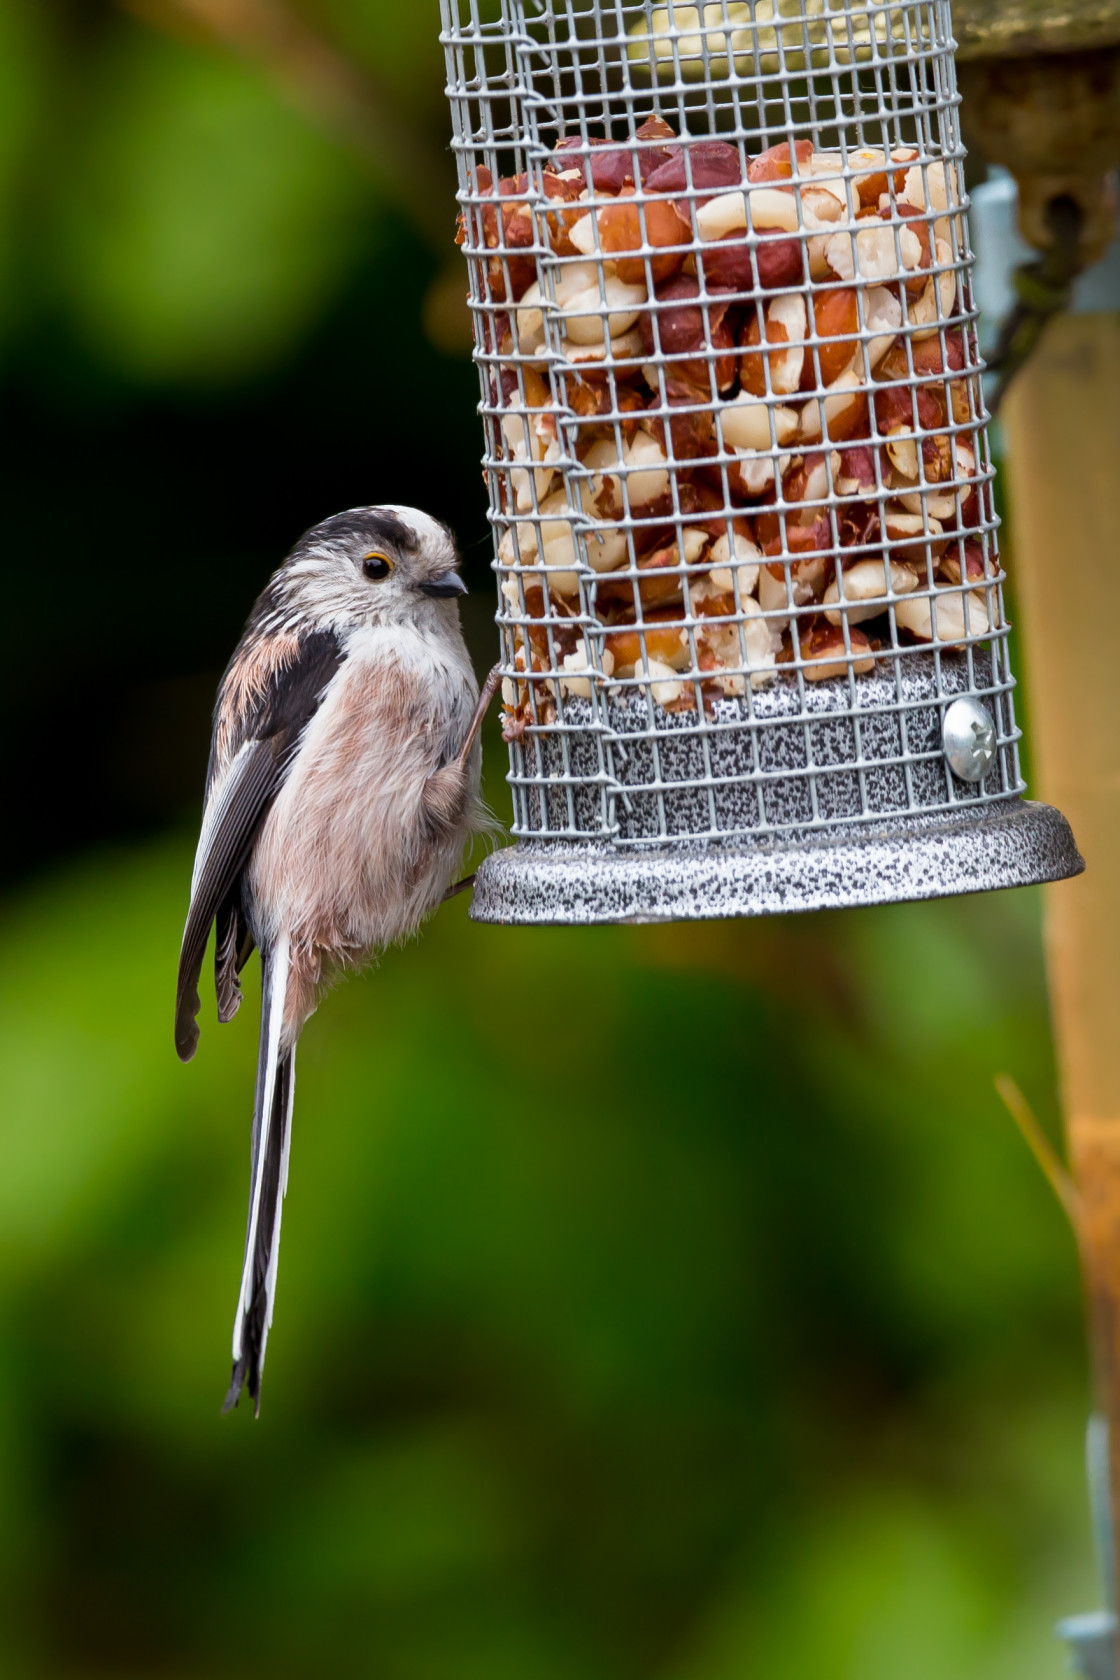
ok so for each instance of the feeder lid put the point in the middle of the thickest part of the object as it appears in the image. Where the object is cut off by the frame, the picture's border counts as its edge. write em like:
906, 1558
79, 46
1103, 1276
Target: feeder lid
1018, 28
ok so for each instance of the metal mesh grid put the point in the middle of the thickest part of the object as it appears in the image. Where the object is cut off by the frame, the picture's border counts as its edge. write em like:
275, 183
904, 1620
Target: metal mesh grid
735, 444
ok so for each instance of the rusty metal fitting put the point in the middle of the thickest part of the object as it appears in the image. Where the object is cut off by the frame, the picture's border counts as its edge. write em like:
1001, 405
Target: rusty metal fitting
1053, 119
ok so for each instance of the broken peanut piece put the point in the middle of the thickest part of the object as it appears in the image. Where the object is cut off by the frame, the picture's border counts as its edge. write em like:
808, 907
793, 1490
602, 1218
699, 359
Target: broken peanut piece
825, 654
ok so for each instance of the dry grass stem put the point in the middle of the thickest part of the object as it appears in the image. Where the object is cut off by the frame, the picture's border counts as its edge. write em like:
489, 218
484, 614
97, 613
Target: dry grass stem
1040, 1146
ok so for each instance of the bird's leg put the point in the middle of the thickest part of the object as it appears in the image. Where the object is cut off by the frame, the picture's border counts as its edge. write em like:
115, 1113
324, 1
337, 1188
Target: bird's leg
446, 788
460, 886
489, 689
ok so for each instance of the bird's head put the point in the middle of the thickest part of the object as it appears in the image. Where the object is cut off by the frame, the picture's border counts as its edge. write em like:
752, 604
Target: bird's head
379, 565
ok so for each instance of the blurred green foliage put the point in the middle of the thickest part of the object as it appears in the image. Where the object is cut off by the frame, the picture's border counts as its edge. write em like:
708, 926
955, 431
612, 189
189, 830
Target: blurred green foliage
674, 1304
654, 1302
201, 228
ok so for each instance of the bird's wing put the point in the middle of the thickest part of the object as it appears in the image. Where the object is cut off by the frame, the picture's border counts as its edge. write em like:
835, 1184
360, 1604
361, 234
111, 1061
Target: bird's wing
263, 724
233, 946
233, 819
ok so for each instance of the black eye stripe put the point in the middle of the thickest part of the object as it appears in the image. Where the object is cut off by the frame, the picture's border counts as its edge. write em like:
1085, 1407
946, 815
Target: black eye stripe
376, 567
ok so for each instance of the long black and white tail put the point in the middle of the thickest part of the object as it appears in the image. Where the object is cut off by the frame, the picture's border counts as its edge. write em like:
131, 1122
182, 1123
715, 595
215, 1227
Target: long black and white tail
272, 1131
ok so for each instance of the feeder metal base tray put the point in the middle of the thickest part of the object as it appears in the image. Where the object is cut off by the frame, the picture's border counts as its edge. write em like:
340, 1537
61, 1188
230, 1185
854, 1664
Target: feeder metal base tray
549, 882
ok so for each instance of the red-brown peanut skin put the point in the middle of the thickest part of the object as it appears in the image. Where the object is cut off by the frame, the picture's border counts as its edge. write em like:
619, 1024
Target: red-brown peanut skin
536, 391
776, 163
681, 330
620, 231
927, 355
823, 647
916, 284
658, 582
517, 222
609, 166
835, 313
514, 234
687, 436
858, 465
774, 265
814, 537
715, 606
949, 565
713, 164
796, 480
752, 368
870, 188
853, 422
895, 404
614, 167
564, 209
662, 633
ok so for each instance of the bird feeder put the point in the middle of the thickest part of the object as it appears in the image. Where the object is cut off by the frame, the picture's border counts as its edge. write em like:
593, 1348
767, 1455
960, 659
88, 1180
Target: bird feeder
754, 648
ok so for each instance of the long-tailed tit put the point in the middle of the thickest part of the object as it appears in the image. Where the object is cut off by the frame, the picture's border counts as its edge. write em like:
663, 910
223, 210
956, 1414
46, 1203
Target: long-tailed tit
342, 788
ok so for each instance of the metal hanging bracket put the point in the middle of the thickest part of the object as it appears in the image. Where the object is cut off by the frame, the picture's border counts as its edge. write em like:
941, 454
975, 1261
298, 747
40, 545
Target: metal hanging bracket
1092, 1637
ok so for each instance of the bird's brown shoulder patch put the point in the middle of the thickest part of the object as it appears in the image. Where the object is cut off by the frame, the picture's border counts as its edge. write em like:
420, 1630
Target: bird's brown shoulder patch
245, 687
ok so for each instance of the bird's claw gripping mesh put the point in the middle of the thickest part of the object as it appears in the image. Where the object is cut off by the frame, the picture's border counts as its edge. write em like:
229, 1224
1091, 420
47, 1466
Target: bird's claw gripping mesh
735, 438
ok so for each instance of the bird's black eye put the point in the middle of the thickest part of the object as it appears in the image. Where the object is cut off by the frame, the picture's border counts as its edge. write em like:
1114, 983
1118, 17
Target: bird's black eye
376, 566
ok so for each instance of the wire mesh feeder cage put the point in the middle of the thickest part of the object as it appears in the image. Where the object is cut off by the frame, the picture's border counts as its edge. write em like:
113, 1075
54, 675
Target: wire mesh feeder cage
754, 647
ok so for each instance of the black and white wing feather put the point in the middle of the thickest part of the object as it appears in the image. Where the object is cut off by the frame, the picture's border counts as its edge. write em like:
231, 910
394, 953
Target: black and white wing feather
258, 725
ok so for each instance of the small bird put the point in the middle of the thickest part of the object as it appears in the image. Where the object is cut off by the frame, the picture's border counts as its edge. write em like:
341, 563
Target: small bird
342, 787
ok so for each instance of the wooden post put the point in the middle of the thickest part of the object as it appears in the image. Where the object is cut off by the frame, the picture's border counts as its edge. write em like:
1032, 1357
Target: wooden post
1062, 422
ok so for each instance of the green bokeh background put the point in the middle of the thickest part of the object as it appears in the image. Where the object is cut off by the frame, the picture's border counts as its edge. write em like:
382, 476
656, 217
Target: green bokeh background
675, 1304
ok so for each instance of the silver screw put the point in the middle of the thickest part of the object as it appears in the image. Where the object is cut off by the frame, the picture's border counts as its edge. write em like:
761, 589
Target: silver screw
968, 737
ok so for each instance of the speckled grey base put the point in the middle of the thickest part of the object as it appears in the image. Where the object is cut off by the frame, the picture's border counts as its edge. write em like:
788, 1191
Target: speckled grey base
869, 750
792, 799
1013, 844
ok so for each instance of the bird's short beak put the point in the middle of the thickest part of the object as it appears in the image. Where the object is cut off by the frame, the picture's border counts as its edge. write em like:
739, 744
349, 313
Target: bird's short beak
443, 587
